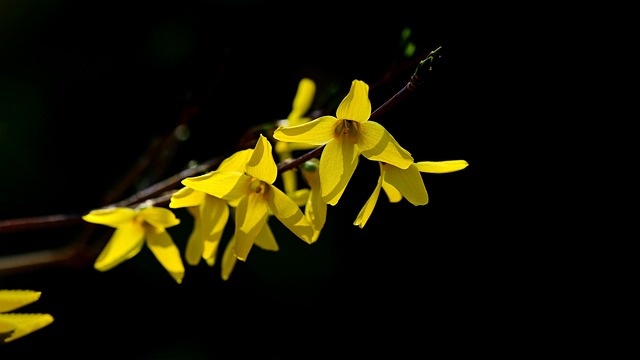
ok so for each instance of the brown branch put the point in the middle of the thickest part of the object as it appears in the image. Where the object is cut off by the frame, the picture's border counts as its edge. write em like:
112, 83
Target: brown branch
36, 259
38, 222
74, 254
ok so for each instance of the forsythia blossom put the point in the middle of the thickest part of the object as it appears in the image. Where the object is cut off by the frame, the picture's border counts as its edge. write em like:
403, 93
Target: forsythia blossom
255, 198
407, 182
346, 136
17, 325
210, 218
133, 227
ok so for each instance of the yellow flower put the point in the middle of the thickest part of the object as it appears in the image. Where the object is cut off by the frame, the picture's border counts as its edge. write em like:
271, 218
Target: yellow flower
210, 213
301, 105
210, 217
255, 197
17, 325
346, 137
133, 227
407, 182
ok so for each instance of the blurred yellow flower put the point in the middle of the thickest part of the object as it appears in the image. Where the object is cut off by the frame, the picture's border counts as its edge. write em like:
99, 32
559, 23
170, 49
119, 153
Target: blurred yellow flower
407, 182
133, 227
345, 137
17, 325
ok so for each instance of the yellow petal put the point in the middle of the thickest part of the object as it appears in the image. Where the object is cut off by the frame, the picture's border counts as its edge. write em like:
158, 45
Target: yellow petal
210, 219
439, 167
296, 146
251, 215
290, 185
290, 181
337, 164
300, 196
160, 218
125, 243
186, 197
316, 132
393, 194
368, 207
221, 184
376, 143
6, 330
289, 213
25, 323
113, 217
408, 182
236, 162
167, 253
356, 105
195, 243
215, 214
228, 259
203, 176
282, 149
303, 100
266, 240
315, 209
211, 260
211, 253
14, 299
261, 165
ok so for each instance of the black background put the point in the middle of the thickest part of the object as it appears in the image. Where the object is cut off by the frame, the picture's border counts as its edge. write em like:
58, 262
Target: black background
87, 87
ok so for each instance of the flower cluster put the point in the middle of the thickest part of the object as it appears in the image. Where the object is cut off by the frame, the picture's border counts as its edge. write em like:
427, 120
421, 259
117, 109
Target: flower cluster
242, 188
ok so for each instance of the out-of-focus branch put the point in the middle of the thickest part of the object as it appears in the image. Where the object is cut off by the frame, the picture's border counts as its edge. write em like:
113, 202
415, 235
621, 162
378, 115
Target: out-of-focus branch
38, 222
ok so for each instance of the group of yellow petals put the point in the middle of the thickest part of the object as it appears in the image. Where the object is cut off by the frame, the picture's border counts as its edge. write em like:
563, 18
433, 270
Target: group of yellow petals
16, 325
242, 187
